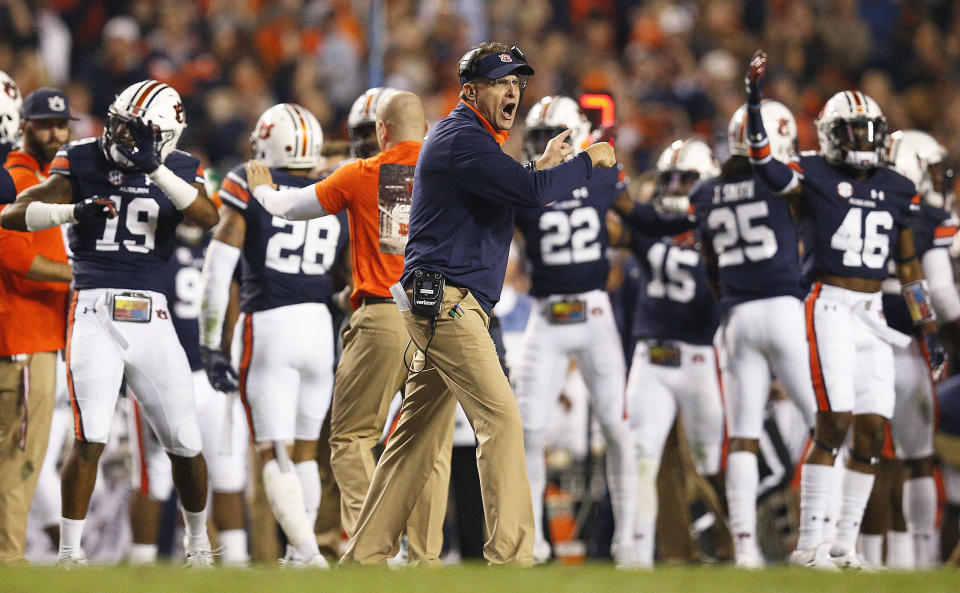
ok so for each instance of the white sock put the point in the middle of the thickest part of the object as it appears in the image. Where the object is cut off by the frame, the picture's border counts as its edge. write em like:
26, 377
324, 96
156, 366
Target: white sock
871, 546
142, 554
645, 513
309, 476
899, 550
816, 482
920, 512
742, 480
195, 525
537, 475
71, 531
234, 542
856, 492
285, 495
620, 470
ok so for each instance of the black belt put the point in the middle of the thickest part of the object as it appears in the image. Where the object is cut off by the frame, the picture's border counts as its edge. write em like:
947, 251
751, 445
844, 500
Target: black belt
376, 300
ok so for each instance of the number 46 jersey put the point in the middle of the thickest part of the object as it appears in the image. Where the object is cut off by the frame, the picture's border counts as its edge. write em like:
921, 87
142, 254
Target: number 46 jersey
131, 249
285, 262
856, 222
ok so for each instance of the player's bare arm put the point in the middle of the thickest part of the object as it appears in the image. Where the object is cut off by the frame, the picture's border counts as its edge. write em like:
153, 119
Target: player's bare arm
619, 237
55, 190
290, 203
202, 211
915, 291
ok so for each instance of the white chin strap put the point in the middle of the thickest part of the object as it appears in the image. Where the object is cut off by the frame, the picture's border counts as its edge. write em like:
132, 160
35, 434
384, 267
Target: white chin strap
862, 159
117, 157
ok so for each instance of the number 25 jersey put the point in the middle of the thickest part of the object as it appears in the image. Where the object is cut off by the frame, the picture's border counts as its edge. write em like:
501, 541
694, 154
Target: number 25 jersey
131, 249
285, 262
855, 222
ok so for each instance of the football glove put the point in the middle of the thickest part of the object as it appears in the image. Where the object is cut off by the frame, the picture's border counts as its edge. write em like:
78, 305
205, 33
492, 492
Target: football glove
219, 371
754, 78
94, 209
145, 154
936, 354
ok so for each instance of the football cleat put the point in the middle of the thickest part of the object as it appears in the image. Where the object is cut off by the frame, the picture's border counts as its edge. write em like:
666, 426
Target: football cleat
541, 552
816, 557
198, 556
70, 560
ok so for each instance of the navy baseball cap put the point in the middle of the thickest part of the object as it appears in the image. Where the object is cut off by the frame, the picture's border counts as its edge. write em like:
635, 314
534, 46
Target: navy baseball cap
46, 103
496, 66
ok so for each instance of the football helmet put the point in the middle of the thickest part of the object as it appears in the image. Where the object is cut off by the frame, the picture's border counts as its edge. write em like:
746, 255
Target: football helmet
550, 116
920, 158
680, 166
852, 130
287, 136
10, 103
148, 101
362, 122
779, 123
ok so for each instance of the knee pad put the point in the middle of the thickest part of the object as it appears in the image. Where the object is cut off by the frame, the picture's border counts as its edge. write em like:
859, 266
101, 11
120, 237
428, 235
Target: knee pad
186, 439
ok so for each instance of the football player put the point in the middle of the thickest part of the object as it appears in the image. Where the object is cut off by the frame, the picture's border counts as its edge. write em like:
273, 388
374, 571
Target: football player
362, 122
860, 215
751, 250
225, 454
283, 342
565, 245
10, 103
923, 160
124, 194
674, 367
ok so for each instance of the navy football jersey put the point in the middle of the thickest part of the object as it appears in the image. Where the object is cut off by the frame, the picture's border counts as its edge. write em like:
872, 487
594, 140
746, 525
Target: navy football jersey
673, 300
129, 250
285, 262
566, 240
855, 223
182, 277
8, 191
753, 235
934, 228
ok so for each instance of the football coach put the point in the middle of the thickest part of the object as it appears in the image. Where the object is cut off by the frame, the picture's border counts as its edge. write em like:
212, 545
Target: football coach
465, 191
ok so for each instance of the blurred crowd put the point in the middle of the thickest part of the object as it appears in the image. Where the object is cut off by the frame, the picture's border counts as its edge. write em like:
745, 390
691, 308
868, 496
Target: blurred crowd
674, 68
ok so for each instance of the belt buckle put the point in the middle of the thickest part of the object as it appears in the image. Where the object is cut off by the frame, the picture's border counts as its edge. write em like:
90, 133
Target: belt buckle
133, 307
567, 311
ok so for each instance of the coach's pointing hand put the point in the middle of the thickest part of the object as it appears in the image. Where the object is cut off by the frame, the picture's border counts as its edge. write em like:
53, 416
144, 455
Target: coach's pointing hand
602, 155
556, 151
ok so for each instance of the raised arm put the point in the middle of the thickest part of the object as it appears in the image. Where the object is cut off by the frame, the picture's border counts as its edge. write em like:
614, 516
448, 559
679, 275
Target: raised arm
778, 176
290, 204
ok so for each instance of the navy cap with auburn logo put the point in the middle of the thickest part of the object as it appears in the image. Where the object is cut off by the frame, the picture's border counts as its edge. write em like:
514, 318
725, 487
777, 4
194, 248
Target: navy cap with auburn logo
46, 103
496, 66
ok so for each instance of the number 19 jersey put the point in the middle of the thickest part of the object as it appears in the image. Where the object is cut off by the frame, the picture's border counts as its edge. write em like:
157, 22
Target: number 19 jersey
131, 249
855, 222
285, 262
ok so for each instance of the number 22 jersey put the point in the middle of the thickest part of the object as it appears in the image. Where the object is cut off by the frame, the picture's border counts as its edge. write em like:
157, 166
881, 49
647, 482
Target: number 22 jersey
285, 262
130, 250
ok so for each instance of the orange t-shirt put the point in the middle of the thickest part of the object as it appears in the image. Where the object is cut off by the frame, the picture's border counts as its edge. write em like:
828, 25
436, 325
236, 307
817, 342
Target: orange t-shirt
376, 194
35, 316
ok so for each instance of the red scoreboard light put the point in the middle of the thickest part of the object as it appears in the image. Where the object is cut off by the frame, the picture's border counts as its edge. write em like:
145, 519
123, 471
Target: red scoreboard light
602, 102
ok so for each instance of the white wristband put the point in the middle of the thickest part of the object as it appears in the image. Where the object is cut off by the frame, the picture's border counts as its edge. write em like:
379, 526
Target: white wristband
218, 266
180, 192
40, 215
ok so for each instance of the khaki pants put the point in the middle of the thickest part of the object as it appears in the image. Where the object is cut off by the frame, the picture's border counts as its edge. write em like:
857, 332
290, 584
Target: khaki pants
462, 366
20, 468
370, 373
327, 527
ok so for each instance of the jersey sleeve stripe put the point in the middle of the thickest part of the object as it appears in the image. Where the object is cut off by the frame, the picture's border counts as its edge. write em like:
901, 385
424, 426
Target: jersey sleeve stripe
60, 164
235, 190
945, 231
199, 175
760, 153
237, 179
233, 200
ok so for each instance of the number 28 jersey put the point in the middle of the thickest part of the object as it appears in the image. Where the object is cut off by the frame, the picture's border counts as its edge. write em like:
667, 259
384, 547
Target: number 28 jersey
566, 240
130, 250
285, 262
855, 222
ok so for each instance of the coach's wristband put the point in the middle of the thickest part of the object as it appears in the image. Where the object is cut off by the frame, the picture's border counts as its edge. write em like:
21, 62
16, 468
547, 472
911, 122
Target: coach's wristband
181, 193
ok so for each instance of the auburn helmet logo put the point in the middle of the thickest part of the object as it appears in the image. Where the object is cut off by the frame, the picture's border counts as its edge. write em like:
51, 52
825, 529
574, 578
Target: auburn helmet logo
264, 131
783, 126
181, 116
11, 90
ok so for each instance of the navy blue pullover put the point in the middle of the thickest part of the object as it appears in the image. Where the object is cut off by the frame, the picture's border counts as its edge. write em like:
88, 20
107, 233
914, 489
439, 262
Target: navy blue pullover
465, 191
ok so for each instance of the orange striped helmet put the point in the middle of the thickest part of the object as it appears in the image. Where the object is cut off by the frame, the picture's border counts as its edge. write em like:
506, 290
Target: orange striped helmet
852, 130
287, 136
148, 101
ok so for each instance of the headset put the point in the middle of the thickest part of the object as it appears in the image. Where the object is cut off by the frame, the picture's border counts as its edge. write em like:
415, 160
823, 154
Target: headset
468, 65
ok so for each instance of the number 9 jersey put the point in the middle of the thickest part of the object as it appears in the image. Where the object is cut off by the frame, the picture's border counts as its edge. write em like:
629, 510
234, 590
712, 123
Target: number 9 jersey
285, 262
129, 250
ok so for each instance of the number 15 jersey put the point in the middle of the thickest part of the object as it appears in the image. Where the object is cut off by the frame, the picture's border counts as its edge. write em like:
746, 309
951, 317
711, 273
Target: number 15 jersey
855, 222
131, 249
285, 262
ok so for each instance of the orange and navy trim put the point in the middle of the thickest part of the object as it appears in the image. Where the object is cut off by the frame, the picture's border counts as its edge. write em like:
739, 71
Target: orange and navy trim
144, 474
816, 370
74, 404
245, 358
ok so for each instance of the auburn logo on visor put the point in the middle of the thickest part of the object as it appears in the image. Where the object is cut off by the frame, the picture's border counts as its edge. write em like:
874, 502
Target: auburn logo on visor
505, 58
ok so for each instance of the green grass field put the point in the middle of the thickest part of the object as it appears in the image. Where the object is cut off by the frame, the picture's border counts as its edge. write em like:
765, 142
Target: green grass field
472, 579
